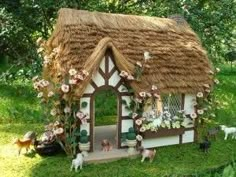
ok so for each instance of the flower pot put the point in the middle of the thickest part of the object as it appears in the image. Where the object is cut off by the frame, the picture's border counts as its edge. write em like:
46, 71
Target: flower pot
131, 144
84, 148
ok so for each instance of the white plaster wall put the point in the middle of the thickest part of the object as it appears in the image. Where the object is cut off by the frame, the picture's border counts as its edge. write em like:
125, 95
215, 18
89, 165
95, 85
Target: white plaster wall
114, 79
89, 89
87, 109
163, 141
110, 64
124, 111
126, 124
122, 88
98, 79
188, 103
188, 136
85, 127
102, 65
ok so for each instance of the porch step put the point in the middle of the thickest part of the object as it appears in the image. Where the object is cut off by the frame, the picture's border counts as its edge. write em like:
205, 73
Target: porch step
114, 154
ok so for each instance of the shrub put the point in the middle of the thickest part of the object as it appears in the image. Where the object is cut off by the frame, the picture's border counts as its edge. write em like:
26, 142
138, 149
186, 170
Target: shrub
84, 136
131, 134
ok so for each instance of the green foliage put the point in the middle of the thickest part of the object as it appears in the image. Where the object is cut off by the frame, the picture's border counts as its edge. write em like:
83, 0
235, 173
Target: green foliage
84, 104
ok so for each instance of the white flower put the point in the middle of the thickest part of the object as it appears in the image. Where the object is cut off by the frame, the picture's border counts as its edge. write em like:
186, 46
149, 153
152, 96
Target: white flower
39, 50
139, 137
134, 115
72, 72
72, 81
35, 78
149, 94
65, 88
142, 129
80, 115
124, 74
207, 90
216, 81
199, 94
146, 56
40, 94
45, 62
138, 122
79, 76
200, 111
213, 115
53, 112
193, 115
36, 85
43, 83
142, 94
67, 109
86, 73
168, 115
130, 77
154, 87
194, 103
50, 94
175, 118
156, 96
138, 100
39, 40
138, 63
217, 70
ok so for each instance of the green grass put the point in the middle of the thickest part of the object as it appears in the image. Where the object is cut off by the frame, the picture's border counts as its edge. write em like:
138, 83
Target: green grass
179, 160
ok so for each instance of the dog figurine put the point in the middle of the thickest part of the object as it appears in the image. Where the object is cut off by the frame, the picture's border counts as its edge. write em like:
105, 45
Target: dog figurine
229, 130
213, 132
77, 162
205, 145
147, 153
106, 145
23, 144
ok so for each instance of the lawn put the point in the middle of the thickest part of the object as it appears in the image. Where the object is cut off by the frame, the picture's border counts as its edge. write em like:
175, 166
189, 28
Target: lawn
177, 160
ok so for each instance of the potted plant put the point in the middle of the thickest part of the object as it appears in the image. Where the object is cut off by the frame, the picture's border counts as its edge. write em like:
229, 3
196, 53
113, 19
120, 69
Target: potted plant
84, 144
131, 140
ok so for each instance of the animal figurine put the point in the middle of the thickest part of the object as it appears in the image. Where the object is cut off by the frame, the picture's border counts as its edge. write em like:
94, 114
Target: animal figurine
205, 145
30, 135
77, 162
213, 132
229, 130
106, 145
147, 153
23, 144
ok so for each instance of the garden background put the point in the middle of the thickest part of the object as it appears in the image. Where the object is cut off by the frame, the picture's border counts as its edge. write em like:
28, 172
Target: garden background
22, 22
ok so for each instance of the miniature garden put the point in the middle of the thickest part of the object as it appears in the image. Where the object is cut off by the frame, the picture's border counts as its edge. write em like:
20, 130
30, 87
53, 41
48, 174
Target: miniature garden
118, 111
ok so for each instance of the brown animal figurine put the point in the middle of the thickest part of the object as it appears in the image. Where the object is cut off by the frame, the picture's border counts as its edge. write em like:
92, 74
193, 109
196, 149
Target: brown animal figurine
106, 145
147, 153
23, 144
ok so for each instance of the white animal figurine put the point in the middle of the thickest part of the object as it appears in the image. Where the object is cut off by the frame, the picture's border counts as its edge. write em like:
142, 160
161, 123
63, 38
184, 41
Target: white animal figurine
77, 162
229, 130
147, 153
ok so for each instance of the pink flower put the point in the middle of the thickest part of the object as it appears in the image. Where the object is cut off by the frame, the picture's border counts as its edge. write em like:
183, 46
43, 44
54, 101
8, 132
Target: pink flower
138, 122
139, 137
72, 72
72, 81
79, 76
142, 94
65, 88
149, 94
86, 73
156, 96
80, 115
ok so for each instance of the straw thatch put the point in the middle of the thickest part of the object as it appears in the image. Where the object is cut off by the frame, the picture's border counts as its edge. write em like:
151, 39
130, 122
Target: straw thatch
178, 62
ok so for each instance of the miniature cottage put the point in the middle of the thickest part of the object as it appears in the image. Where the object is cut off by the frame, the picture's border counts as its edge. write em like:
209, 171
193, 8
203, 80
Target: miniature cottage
132, 55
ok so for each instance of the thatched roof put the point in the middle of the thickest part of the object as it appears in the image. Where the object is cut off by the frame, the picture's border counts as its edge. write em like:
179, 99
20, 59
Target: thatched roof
178, 62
